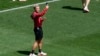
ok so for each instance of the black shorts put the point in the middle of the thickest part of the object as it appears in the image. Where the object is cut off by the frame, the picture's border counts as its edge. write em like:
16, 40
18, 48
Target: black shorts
38, 33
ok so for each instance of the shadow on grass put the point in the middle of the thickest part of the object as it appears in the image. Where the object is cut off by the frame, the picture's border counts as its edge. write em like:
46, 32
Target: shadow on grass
72, 8
24, 52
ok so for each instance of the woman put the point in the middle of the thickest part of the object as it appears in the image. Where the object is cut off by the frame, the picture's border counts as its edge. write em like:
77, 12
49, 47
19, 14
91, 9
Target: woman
38, 19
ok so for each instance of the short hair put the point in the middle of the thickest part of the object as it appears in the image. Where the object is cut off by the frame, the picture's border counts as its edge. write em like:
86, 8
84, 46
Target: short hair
35, 6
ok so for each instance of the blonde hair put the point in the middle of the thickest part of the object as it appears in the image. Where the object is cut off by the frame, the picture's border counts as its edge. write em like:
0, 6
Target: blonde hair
36, 5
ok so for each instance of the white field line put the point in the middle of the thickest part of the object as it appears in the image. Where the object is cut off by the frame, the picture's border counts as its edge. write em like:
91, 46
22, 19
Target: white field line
27, 6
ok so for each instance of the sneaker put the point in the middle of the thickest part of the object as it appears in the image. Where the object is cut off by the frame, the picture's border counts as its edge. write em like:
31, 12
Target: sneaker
86, 10
32, 54
42, 54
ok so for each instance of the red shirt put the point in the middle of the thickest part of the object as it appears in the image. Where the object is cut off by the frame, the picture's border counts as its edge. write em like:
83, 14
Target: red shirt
37, 17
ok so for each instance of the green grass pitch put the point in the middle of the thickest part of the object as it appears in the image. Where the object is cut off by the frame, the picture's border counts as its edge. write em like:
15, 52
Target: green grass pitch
67, 31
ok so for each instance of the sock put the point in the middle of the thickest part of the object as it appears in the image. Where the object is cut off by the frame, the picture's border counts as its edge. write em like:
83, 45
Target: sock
32, 51
39, 50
